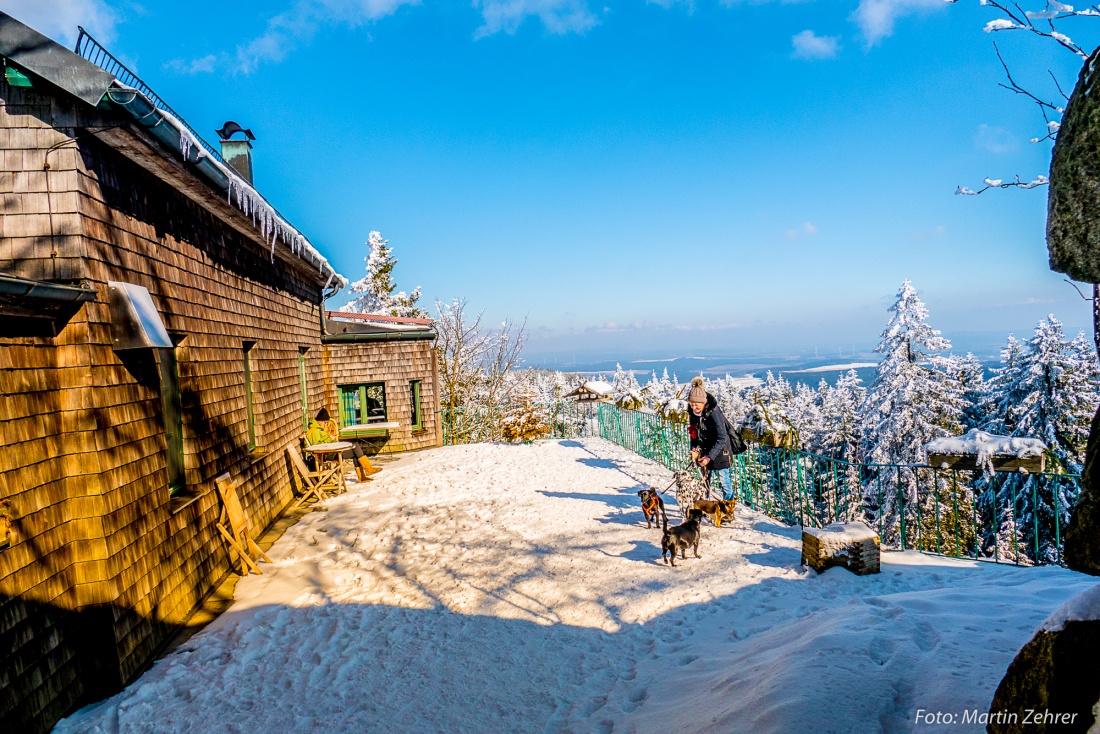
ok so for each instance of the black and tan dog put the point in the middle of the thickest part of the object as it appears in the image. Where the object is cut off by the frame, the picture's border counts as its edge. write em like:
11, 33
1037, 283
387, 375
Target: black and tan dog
681, 537
651, 505
718, 510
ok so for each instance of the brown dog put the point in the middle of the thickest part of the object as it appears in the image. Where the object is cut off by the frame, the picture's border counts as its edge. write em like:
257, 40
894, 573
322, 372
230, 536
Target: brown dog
681, 537
651, 505
719, 510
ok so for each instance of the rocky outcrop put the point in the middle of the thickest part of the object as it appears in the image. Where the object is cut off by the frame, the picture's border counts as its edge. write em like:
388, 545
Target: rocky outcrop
1052, 685
1073, 209
1082, 543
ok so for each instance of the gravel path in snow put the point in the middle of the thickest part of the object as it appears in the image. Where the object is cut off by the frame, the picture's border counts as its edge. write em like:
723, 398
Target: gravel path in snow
498, 588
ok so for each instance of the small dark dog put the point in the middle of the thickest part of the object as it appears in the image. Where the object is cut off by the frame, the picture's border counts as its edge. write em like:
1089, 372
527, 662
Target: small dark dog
682, 536
718, 510
651, 505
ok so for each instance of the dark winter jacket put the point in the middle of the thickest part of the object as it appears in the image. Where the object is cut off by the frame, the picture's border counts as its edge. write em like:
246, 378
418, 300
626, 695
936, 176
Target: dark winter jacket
708, 434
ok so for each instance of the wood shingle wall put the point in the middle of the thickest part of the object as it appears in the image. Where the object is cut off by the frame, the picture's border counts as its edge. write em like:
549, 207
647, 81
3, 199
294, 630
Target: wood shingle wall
103, 563
395, 363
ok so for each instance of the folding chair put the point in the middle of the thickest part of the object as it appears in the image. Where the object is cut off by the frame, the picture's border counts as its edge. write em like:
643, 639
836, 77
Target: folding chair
313, 483
233, 525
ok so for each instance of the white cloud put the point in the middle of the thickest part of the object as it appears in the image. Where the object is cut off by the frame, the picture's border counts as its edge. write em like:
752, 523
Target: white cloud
808, 229
995, 139
876, 17
557, 16
808, 45
297, 25
58, 19
203, 65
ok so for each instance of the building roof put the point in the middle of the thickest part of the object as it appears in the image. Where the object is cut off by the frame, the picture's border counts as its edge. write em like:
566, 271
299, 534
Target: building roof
379, 318
101, 80
343, 326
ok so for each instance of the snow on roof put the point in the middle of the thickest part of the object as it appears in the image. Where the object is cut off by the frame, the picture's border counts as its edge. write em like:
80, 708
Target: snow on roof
985, 445
1085, 607
598, 387
838, 533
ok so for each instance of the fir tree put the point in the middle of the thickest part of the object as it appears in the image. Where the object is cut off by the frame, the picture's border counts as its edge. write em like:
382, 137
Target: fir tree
1047, 389
378, 286
909, 404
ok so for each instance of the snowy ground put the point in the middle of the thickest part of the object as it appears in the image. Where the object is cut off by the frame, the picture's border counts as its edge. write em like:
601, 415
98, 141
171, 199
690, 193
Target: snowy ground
495, 588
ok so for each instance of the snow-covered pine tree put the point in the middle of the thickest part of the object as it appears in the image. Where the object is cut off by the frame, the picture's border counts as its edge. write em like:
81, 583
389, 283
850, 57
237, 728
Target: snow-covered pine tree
525, 423
840, 408
1047, 390
377, 287
627, 392
969, 373
909, 404
731, 397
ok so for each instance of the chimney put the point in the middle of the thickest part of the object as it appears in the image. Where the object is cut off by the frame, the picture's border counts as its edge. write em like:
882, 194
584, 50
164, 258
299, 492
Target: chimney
237, 153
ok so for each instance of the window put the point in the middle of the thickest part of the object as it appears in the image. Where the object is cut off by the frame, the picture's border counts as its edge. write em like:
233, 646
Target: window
302, 380
417, 417
361, 404
247, 349
172, 410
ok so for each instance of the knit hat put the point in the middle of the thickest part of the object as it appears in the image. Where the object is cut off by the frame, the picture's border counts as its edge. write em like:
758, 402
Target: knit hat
322, 415
697, 394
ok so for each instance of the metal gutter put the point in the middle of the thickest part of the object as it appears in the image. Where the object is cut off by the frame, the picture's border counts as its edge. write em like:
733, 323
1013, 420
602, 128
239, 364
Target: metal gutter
21, 287
389, 337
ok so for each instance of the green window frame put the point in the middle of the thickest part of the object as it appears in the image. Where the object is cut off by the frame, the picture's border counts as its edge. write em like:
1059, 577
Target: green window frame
362, 404
172, 410
246, 348
417, 417
302, 380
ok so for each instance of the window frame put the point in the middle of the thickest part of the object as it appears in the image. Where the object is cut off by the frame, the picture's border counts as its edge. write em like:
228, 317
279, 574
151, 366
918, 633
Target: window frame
172, 412
250, 406
302, 352
417, 414
360, 390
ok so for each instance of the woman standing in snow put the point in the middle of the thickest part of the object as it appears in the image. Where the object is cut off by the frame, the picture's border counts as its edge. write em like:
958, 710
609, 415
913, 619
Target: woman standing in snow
710, 442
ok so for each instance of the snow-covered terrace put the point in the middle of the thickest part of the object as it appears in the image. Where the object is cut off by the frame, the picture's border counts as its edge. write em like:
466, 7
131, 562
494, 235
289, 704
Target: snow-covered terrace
500, 588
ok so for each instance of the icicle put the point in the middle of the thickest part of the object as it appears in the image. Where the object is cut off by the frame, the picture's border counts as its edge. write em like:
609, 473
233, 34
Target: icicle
271, 225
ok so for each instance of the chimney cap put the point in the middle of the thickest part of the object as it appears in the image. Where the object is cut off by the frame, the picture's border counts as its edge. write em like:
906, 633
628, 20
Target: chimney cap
230, 128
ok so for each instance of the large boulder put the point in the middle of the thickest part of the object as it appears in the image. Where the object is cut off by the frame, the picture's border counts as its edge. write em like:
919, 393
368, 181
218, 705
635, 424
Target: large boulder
1082, 549
1073, 209
1052, 685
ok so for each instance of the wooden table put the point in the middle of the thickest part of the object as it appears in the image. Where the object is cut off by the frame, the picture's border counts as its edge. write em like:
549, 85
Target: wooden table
325, 453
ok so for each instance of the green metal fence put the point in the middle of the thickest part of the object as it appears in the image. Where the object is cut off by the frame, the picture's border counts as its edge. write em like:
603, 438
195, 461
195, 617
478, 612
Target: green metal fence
911, 506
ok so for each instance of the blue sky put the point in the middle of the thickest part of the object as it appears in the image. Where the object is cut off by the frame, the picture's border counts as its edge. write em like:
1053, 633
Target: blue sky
664, 176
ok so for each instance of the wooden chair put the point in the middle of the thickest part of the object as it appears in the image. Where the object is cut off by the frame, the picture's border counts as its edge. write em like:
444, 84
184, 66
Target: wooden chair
233, 525
313, 483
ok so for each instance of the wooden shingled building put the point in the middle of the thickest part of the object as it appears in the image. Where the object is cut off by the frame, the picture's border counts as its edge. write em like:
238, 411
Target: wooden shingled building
160, 324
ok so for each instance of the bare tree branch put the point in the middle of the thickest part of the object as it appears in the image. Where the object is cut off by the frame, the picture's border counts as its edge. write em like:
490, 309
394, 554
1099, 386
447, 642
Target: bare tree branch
991, 183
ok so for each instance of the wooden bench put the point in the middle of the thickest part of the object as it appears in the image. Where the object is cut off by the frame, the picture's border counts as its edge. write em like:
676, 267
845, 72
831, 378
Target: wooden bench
368, 430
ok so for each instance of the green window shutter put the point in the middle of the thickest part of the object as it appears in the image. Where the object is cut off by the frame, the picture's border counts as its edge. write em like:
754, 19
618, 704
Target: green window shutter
172, 410
247, 349
302, 380
417, 417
